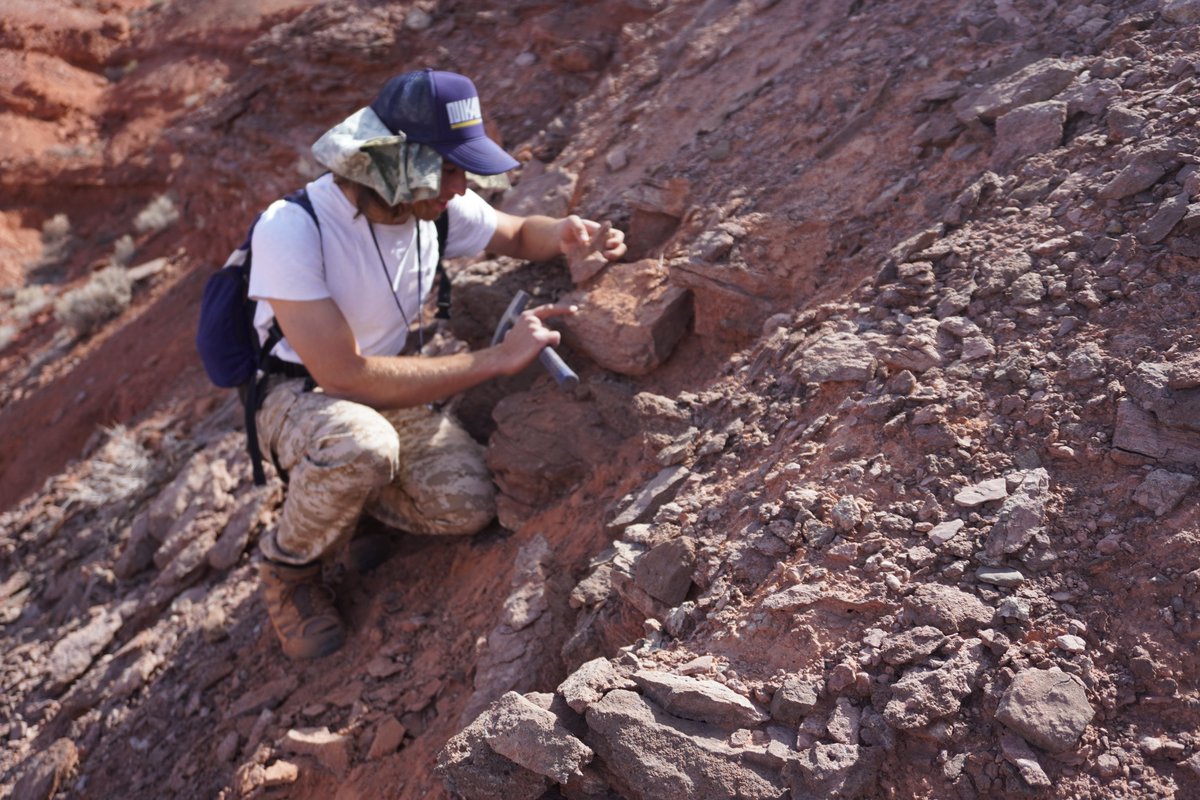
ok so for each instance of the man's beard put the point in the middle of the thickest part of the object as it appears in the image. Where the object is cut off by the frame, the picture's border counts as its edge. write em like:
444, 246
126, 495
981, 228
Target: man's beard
427, 210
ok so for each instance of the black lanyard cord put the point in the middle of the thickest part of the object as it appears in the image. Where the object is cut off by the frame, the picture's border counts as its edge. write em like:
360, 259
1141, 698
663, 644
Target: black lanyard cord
420, 281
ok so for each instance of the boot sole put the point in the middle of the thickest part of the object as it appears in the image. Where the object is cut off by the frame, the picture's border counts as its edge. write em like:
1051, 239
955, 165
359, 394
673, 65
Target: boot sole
318, 648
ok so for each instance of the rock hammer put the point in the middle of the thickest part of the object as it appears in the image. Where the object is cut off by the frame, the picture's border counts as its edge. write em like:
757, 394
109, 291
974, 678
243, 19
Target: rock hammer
563, 375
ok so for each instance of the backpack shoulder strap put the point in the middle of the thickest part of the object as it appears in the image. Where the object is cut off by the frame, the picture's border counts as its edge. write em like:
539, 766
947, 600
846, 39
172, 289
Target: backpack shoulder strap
300, 197
254, 391
443, 280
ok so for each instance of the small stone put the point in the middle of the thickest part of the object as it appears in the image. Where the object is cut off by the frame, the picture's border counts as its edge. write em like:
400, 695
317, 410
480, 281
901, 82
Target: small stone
1021, 755
793, 700
1108, 766
977, 347
844, 722
267, 696
945, 531
331, 750
617, 158
389, 733
227, 748
947, 608
846, 515
912, 645
1014, 608
837, 357
418, 20
530, 735
1070, 643
983, 492
74, 653
1007, 578
281, 773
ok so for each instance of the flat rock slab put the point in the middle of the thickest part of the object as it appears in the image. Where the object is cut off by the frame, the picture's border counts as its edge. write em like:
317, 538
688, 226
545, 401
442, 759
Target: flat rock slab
1022, 516
75, 652
665, 571
43, 773
700, 700
667, 758
983, 492
945, 531
837, 357
1036, 82
845, 771
1181, 12
948, 609
914, 644
631, 319
590, 682
1028, 130
531, 736
269, 695
1143, 433
642, 505
1162, 490
471, 768
1048, 707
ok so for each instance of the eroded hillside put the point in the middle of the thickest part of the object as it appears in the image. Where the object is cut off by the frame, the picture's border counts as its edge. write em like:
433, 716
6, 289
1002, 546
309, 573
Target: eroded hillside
879, 483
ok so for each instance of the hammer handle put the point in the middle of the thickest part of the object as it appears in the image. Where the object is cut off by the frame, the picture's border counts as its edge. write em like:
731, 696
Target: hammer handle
563, 375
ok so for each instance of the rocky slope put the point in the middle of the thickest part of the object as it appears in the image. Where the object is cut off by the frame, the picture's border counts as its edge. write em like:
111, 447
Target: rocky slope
879, 483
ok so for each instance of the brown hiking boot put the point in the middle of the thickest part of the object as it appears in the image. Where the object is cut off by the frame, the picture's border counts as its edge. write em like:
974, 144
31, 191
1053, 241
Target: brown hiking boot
368, 549
301, 610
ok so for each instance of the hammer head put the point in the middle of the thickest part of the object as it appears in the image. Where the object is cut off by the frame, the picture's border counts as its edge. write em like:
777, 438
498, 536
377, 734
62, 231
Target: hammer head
519, 301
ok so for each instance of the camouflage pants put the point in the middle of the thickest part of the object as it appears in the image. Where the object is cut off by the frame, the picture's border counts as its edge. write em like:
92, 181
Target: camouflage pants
414, 469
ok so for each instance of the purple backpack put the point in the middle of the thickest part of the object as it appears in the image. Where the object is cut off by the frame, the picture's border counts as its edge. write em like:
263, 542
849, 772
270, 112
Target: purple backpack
226, 339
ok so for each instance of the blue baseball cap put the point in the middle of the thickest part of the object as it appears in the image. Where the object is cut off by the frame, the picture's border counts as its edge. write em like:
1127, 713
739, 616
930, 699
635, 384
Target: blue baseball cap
441, 109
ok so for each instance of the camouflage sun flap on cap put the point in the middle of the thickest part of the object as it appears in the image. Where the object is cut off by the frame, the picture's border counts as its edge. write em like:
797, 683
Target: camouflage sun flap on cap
362, 149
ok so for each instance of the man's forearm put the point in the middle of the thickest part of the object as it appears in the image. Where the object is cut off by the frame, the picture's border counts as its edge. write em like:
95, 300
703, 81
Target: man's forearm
539, 238
384, 382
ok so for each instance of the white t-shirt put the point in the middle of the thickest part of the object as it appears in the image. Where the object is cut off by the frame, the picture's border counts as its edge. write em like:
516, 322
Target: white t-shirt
292, 261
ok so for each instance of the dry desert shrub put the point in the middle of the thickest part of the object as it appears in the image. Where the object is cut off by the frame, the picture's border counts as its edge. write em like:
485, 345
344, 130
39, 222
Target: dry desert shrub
19, 306
105, 296
123, 250
56, 239
26, 302
159, 215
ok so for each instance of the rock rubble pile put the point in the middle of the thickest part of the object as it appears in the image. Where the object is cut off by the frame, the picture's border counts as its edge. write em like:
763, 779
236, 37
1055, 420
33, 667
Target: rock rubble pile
879, 483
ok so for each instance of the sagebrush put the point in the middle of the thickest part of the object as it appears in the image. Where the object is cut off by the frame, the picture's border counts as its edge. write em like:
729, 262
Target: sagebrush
105, 296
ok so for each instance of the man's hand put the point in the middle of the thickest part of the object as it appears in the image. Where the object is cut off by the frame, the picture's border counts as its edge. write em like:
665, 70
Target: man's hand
578, 237
538, 238
321, 336
528, 336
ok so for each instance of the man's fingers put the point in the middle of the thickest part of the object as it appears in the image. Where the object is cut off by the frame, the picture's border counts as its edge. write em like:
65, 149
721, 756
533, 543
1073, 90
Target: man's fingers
614, 248
578, 229
550, 311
